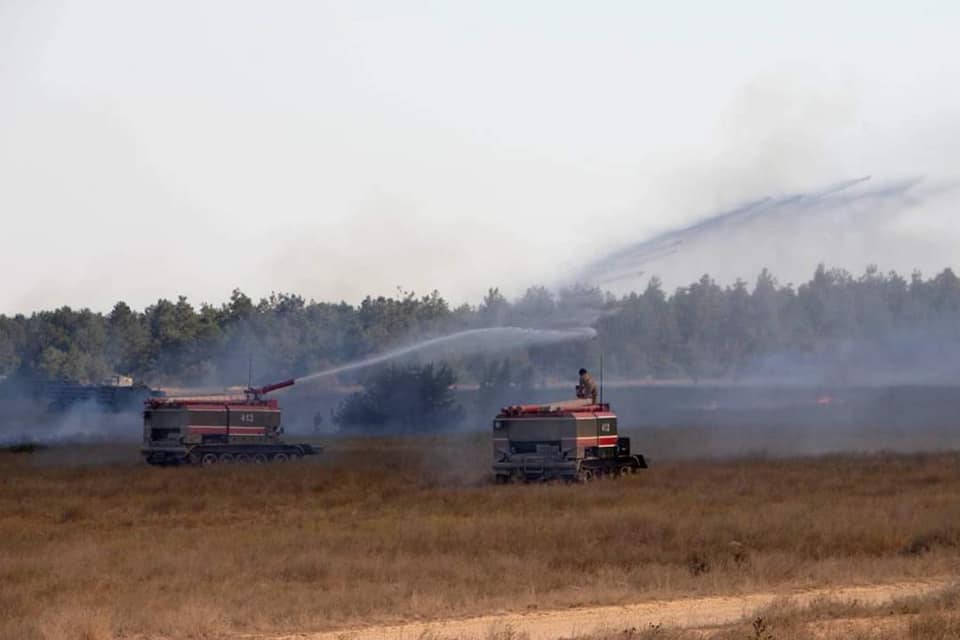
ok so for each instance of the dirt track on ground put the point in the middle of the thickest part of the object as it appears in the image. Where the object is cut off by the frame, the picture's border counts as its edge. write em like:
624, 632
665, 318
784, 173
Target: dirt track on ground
688, 613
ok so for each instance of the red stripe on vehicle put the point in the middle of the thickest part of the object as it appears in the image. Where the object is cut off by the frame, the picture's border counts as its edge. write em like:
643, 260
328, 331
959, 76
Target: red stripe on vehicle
222, 408
235, 431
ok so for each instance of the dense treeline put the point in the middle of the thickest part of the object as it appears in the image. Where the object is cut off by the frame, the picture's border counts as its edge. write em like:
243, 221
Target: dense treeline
701, 330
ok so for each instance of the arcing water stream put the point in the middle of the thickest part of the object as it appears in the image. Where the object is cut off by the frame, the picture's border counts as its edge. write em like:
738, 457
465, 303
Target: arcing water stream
467, 342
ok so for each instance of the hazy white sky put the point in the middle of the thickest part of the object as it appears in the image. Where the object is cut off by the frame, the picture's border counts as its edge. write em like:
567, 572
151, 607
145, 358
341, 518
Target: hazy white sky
151, 149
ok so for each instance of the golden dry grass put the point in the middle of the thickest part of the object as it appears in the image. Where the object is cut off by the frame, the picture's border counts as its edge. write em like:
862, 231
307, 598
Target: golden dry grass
386, 530
929, 617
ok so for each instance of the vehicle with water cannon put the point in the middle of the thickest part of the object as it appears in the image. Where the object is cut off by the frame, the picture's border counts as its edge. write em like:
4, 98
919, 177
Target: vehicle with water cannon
574, 440
218, 429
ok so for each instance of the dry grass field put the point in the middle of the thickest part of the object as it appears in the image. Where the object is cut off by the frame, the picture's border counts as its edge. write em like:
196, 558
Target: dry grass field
389, 530
931, 617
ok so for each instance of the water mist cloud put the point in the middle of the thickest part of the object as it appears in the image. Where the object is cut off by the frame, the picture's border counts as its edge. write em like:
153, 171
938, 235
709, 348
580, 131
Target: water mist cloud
846, 208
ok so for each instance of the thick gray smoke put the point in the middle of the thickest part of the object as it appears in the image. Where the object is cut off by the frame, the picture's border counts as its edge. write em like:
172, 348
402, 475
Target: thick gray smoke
47, 415
896, 358
28, 421
465, 343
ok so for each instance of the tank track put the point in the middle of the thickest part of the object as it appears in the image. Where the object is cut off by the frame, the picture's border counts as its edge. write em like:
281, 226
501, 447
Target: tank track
589, 469
620, 466
211, 454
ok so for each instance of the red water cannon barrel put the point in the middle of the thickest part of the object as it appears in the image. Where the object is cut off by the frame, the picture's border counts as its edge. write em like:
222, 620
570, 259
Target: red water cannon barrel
259, 391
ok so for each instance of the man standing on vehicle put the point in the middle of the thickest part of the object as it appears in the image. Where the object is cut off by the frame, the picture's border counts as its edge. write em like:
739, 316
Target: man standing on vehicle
587, 387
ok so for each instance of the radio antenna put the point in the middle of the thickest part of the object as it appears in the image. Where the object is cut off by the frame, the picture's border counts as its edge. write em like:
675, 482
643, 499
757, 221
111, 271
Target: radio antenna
601, 377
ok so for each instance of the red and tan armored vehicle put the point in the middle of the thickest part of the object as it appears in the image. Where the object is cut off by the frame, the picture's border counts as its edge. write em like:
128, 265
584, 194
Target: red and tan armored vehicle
217, 429
573, 440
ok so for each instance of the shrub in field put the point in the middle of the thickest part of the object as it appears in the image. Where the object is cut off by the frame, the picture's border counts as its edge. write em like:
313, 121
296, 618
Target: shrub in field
403, 398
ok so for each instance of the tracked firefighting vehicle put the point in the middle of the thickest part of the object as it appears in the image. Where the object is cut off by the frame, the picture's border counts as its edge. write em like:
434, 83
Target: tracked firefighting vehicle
573, 440
217, 429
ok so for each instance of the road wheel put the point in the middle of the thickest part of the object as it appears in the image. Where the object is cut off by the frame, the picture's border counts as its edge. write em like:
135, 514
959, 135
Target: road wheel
260, 458
280, 457
502, 479
585, 476
241, 458
226, 458
208, 459
625, 471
